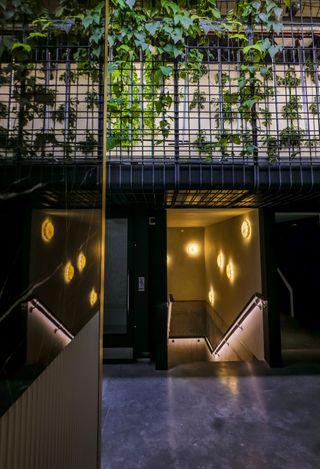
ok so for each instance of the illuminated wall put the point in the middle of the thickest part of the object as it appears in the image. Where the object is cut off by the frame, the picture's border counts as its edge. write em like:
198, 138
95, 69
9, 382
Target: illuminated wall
186, 272
232, 264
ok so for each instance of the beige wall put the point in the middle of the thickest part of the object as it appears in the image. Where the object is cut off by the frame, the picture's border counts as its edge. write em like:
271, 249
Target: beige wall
186, 274
231, 296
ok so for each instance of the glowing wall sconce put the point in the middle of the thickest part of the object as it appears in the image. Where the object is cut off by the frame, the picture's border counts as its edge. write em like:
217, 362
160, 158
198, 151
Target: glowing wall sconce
93, 297
193, 249
81, 261
230, 271
47, 230
211, 296
68, 272
169, 260
246, 229
221, 261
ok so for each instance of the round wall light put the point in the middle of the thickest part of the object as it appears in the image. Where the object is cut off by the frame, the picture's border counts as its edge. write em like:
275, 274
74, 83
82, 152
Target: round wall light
246, 229
211, 296
221, 260
68, 272
81, 261
193, 249
47, 230
230, 271
93, 297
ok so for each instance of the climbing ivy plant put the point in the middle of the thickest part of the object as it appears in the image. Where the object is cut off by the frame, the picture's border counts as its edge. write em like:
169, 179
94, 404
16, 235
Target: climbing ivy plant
159, 38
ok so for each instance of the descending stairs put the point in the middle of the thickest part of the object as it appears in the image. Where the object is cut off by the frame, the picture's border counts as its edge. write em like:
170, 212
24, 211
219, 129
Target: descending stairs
195, 333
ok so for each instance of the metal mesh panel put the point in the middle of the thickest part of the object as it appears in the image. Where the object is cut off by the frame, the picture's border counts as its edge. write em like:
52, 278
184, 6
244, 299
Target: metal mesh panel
199, 116
50, 108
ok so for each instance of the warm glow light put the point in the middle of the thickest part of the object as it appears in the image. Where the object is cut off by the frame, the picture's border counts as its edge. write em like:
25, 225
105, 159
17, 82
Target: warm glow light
93, 297
221, 260
246, 229
211, 296
193, 249
47, 230
230, 271
169, 260
81, 261
68, 272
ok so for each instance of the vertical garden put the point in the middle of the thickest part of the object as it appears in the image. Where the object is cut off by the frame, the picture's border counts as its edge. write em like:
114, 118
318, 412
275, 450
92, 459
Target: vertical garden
188, 80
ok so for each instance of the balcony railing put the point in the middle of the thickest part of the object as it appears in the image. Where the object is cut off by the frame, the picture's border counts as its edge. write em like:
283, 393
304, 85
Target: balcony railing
204, 115
51, 109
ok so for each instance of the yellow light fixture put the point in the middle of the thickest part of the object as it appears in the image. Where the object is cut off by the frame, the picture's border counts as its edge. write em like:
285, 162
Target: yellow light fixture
81, 261
230, 271
221, 260
211, 296
68, 272
47, 230
246, 229
169, 260
193, 249
93, 297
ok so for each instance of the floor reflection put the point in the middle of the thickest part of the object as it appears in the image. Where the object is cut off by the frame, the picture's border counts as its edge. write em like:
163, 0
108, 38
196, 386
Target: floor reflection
210, 415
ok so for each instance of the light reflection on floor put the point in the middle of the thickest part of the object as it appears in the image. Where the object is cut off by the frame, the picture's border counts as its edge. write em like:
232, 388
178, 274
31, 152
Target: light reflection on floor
211, 415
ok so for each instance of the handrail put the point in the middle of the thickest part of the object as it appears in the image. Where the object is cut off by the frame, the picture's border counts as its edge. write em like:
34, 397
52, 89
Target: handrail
290, 289
170, 303
36, 304
256, 300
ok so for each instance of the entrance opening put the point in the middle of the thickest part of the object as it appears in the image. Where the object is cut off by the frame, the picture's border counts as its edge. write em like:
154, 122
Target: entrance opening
214, 285
298, 259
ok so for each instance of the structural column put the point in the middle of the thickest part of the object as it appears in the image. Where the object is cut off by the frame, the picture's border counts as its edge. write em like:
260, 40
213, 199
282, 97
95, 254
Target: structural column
272, 330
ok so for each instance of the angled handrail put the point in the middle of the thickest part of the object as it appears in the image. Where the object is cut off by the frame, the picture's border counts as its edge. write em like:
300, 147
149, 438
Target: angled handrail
170, 303
256, 300
290, 290
36, 304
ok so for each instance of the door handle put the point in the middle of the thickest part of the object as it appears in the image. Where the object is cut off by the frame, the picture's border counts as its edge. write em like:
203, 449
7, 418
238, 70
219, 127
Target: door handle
128, 293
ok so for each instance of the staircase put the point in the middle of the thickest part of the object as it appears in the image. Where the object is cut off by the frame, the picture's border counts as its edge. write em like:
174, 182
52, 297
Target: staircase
197, 333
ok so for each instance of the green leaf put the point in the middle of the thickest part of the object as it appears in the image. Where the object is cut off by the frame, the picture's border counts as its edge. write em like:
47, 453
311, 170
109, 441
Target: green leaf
37, 34
21, 45
277, 27
278, 13
87, 21
206, 25
185, 21
264, 17
112, 142
256, 47
152, 28
166, 71
241, 36
249, 103
274, 50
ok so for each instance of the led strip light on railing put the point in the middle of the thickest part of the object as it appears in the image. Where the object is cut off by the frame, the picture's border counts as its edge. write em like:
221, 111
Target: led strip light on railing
55, 324
257, 302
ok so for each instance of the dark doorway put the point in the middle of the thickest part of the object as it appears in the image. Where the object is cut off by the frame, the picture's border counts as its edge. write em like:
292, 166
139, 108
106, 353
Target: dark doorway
118, 316
298, 260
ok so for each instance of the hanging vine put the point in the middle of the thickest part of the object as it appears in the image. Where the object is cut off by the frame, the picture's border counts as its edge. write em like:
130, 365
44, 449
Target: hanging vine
148, 48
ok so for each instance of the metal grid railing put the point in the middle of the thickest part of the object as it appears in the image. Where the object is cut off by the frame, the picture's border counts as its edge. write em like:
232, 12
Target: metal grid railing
50, 107
203, 115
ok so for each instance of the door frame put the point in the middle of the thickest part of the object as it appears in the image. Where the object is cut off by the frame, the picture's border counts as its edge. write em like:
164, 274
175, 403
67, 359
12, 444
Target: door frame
121, 346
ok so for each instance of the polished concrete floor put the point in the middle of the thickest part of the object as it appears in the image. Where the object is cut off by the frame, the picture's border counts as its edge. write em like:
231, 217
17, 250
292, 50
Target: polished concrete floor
211, 415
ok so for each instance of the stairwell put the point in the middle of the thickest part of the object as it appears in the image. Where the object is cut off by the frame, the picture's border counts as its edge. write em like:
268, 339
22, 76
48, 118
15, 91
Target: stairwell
197, 333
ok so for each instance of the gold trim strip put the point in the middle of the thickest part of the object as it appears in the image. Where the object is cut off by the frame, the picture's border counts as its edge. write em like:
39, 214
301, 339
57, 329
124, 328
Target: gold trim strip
103, 230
